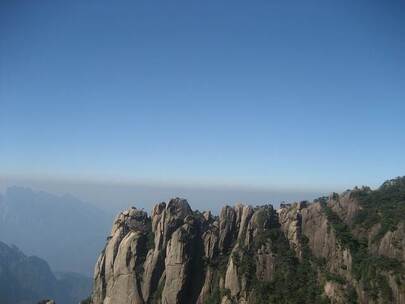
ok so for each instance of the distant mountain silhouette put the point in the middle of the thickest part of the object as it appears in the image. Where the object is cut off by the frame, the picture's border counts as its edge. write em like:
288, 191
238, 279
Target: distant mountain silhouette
28, 279
63, 230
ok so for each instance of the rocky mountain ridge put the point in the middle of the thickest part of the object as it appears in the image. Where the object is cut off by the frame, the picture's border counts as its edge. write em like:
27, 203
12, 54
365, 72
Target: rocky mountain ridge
327, 251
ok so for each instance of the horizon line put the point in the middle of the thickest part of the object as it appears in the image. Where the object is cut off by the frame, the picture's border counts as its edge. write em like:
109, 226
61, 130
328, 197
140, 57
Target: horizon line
165, 183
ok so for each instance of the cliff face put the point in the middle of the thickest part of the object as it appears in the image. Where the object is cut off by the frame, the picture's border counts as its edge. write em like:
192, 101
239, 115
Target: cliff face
315, 252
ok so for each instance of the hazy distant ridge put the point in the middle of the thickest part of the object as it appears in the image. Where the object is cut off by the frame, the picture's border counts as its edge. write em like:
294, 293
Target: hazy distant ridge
63, 230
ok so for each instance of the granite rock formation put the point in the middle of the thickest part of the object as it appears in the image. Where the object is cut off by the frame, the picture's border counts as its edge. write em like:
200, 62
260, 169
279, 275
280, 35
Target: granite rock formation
325, 251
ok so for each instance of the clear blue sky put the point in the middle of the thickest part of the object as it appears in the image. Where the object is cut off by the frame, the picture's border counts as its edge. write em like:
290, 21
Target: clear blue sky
257, 93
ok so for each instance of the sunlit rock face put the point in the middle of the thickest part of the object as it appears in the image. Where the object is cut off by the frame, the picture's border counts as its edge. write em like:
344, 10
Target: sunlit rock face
248, 255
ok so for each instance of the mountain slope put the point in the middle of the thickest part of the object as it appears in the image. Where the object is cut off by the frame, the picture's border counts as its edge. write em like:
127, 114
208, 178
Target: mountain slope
28, 279
63, 230
320, 252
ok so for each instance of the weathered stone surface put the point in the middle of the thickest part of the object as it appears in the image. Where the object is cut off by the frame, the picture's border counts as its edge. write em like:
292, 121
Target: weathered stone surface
290, 221
227, 228
322, 240
165, 220
116, 278
232, 276
226, 300
344, 205
335, 292
265, 263
392, 244
178, 256
207, 288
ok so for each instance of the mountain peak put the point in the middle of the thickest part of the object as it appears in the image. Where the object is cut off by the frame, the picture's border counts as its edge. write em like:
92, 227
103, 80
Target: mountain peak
178, 255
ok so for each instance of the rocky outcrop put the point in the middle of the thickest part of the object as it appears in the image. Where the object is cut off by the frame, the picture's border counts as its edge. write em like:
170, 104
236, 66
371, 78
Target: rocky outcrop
345, 206
290, 218
117, 273
182, 251
192, 255
392, 244
311, 251
165, 221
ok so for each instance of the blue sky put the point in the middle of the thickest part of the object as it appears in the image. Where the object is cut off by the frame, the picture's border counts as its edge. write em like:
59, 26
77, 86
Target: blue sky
270, 94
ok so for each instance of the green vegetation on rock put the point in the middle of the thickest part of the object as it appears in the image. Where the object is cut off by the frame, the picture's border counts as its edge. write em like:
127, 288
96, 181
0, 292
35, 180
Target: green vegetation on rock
384, 206
366, 268
294, 281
